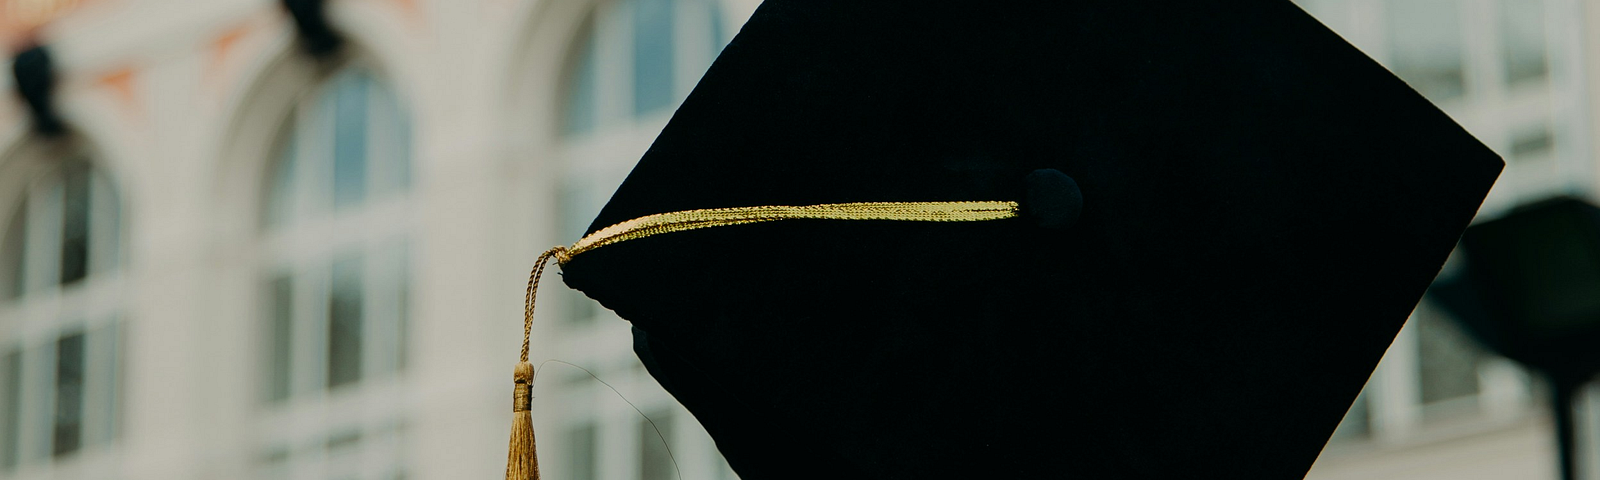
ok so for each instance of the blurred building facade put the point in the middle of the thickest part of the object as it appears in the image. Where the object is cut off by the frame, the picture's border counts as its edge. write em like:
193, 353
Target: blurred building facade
1518, 74
245, 263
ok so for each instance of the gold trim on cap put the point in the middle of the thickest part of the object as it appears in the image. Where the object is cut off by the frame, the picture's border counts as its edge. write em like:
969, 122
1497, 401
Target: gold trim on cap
717, 217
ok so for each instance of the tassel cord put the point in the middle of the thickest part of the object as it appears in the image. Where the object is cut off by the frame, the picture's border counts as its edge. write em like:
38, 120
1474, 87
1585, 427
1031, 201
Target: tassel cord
522, 461
559, 253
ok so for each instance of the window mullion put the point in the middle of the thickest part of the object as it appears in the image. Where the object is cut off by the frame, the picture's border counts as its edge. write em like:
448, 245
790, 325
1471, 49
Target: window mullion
42, 248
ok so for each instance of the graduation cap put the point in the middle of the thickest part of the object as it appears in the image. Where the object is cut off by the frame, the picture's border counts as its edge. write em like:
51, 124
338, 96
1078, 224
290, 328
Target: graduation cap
1097, 239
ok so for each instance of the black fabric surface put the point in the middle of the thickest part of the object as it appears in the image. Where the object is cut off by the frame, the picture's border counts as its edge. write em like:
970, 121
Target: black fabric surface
1052, 200
1262, 206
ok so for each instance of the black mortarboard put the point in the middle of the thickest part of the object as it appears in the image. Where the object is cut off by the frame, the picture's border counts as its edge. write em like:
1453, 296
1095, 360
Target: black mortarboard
1261, 207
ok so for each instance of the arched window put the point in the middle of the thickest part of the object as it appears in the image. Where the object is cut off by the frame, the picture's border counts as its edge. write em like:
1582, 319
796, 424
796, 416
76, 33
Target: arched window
336, 226
60, 299
636, 60
632, 63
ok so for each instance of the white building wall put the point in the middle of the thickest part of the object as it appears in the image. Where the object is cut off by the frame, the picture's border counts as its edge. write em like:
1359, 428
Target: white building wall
182, 103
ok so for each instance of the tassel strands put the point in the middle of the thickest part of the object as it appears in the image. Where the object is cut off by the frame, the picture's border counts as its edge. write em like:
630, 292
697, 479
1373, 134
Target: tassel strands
522, 463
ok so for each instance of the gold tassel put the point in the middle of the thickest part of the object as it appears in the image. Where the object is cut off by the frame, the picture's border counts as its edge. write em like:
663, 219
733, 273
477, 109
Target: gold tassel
522, 463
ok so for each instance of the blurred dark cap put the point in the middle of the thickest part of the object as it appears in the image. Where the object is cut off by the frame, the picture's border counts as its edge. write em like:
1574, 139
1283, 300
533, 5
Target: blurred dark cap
35, 75
1528, 286
316, 36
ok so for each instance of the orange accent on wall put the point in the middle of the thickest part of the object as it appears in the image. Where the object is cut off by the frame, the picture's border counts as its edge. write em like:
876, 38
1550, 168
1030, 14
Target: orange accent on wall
222, 47
410, 10
20, 19
224, 43
121, 84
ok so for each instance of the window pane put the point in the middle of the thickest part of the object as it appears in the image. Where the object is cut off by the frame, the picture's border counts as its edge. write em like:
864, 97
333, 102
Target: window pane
67, 428
344, 322
655, 462
719, 36
392, 169
1427, 46
280, 331
581, 442
1525, 57
11, 254
280, 193
652, 55
350, 95
1446, 357
10, 408
75, 223
581, 99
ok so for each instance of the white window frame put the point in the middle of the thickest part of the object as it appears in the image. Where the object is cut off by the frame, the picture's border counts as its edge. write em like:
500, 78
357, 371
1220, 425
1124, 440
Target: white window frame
295, 432
47, 310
